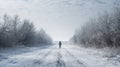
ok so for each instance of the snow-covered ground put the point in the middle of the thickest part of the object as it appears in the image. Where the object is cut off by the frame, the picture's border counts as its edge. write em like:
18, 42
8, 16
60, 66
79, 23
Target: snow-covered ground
52, 56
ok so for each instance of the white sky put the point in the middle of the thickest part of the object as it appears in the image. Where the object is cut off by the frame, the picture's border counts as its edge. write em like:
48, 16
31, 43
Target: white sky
59, 18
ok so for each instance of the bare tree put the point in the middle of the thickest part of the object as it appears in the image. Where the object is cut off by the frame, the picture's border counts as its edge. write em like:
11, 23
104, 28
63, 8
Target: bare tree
14, 32
103, 31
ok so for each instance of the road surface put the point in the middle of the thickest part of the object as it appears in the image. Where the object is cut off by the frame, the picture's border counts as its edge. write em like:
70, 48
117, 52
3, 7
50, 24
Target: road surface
52, 56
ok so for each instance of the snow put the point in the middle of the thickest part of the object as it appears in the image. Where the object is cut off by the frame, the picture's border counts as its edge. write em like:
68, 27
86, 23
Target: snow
52, 56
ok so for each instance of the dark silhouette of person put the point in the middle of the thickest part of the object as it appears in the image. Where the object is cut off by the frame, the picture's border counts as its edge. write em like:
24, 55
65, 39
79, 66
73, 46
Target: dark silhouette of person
60, 43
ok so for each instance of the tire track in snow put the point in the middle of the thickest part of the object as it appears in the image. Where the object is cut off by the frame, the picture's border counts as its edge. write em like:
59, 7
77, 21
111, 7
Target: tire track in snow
46, 60
77, 60
59, 61
40, 60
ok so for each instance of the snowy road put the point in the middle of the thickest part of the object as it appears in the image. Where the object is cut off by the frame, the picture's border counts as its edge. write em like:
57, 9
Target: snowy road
52, 56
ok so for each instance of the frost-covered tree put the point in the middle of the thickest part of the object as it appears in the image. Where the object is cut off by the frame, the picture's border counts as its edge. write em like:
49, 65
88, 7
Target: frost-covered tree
14, 31
27, 32
103, 31
42, 37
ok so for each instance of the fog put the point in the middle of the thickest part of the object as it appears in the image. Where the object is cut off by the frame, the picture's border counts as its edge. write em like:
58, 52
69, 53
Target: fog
59, 18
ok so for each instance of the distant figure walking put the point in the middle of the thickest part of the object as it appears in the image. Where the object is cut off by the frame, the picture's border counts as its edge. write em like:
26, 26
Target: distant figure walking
60, 43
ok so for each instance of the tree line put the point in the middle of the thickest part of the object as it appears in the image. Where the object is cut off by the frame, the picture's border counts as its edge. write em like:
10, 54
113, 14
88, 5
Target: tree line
15, 31
103, 31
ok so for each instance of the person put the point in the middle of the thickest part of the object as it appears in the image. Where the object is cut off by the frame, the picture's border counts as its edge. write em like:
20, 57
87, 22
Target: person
60, 43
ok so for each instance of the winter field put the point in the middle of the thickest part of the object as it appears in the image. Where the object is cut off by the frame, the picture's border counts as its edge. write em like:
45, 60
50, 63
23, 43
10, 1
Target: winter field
52, 56
28, 29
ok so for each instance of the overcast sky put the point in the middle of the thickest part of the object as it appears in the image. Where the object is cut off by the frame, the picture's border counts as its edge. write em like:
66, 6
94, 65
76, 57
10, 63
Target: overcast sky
59, 18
